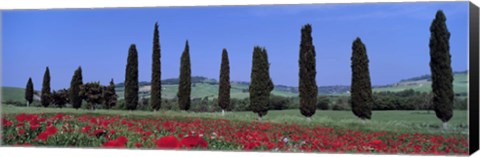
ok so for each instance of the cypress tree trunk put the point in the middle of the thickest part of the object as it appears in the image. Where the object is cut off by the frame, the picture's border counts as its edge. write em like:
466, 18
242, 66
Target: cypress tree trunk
440, 66
29, 92
156, 87
260, 82
224, 85
45, 97
74, 91
361, 88
308, 90
184, 84
131, 79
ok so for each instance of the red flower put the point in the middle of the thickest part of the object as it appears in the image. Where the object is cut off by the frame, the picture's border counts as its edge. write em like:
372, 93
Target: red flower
117, 143
43, 136
6, 123
194, 141
169, 142
138, 144
98, 132
51, 130
21, 117
86, 129
21, 132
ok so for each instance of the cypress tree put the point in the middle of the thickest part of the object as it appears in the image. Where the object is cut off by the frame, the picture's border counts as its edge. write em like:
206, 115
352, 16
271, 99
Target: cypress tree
308, 90
131, 79
156, 87
29, 92
260, 82
361, 88
45, 97
184, 84
74, 91
224, 84
440, 67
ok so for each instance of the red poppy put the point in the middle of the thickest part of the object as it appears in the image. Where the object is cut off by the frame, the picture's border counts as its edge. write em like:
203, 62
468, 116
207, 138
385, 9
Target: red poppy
86, 129
138, 144
6, 123
168, 142
51, 130
21, 132
117, 143
43, 136
193, 142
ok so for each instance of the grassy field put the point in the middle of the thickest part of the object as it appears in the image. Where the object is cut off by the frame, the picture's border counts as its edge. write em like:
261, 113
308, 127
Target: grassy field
460, 85
13, 94
395, 121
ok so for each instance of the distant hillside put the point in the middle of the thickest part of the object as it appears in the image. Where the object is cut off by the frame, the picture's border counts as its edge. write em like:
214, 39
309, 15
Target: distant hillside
423, 83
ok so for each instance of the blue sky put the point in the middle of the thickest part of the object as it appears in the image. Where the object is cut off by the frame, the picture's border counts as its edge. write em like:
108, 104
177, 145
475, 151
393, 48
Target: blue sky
396, 37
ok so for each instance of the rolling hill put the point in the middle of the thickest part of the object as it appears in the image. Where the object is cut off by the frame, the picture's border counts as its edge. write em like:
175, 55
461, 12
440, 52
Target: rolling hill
205, 87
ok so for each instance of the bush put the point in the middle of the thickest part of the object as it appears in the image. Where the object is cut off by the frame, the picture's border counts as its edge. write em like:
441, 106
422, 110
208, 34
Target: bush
341, 103
278, 103
323, 103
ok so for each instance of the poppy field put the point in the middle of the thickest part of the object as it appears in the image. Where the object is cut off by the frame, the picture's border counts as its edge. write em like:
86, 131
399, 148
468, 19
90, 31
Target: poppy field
137, 132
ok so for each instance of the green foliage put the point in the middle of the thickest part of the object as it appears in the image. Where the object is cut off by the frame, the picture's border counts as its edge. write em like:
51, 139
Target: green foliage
109, 95
185, 84
278, 102
60, 98
131, 79
224, 86
93, 94
156, 86
74, 91
29, 91
361, 88
308, 89
45, 97
341, 104
440, 66
323, 103
260, 82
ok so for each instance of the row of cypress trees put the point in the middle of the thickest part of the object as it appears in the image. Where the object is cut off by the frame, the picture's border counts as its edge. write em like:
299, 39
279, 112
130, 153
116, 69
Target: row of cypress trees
261, 84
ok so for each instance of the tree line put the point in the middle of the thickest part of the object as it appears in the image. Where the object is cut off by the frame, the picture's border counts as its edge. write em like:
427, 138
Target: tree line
361, 100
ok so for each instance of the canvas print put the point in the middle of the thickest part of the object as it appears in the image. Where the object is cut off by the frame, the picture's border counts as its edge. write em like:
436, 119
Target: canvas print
375, 78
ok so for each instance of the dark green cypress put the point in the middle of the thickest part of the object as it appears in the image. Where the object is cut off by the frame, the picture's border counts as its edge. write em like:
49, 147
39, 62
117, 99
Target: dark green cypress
308, 90
260, 82
156, 87
440, 66
74, 91
185, 84
29, 92
361, 88
131, 79
45, 97
224, 84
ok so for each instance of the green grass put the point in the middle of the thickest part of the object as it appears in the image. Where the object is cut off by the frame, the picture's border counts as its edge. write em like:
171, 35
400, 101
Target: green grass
13, 94
395, 121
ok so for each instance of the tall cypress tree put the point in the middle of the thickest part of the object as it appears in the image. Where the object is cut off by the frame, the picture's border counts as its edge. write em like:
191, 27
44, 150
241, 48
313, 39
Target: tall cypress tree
361, 88
45, 97
74, 91
131, 79
308, 90
29, 92
260, 82
224, 85
185, 84
440, 66
156, 87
